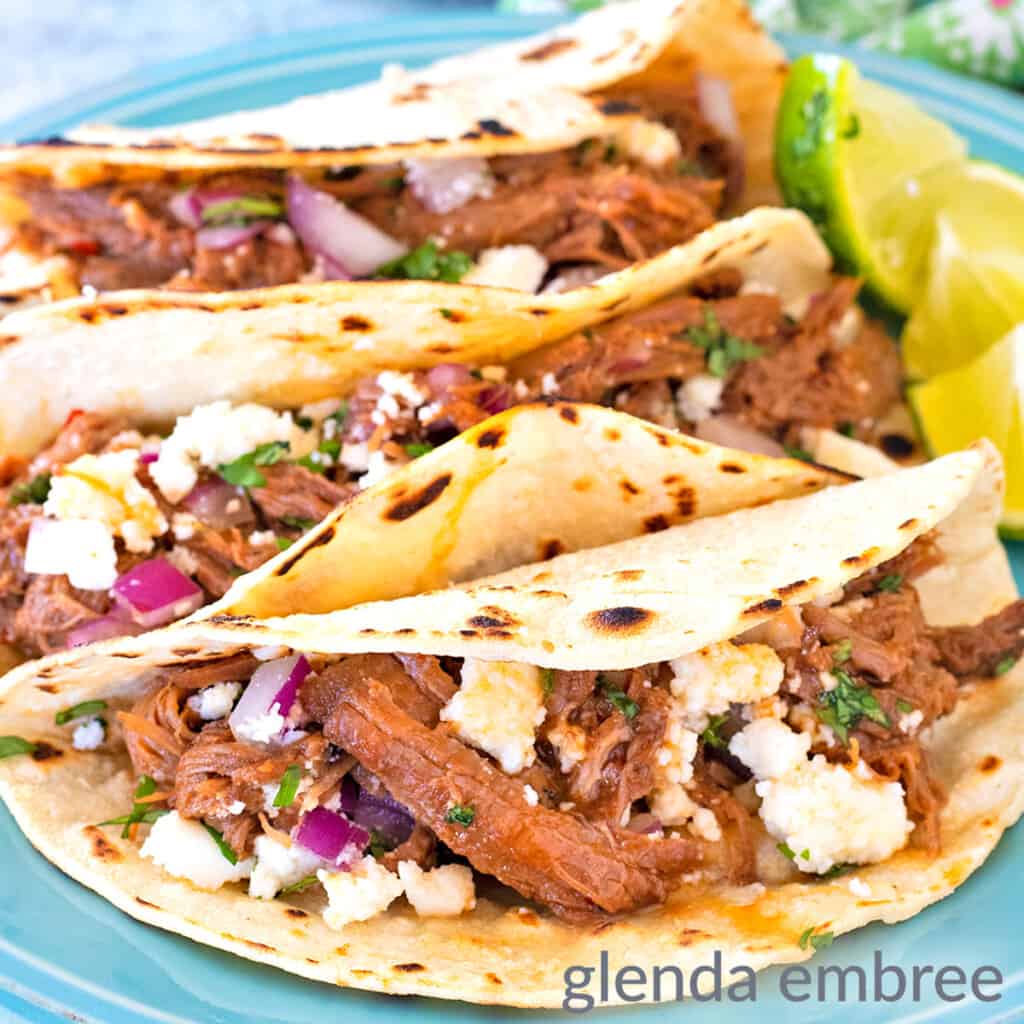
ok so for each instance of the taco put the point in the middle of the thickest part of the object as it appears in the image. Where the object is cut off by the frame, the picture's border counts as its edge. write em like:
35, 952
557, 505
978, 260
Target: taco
541, 163
730, 737
709, 326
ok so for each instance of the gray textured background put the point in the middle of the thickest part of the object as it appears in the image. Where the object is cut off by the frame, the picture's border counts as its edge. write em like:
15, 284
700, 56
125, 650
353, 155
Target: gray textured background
50, 49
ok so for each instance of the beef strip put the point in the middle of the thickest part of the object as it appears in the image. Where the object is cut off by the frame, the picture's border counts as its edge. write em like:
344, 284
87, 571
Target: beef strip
294, 491
420, 847
49, 609
577, 868
221, 556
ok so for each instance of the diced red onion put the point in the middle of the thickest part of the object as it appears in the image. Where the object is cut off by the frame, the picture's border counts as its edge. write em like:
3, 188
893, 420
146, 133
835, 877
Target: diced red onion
445, 185
496, 399
714, 96
444, 376
185, 206
148, 458
729, 432
154, 593
106, 628
216, 503
630, 363
645, 824
329, 229
383, 815
227, 236
331, 836
273, 686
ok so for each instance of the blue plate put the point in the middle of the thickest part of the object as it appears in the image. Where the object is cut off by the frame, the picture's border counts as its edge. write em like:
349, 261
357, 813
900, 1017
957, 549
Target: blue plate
65, 953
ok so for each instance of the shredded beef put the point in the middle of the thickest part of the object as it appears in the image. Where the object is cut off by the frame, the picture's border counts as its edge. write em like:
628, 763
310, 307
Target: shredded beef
83, 433
978, 650
420, 847
912, 562
221, 556
294, 491
50, 609
577, 868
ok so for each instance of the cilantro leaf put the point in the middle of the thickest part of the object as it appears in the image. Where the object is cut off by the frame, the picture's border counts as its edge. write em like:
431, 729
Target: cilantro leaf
13, 745
904, 707
380, 844
724, 350
298, 522
302, 883
816, 942
842, 707
283, 543
618, 699
226, 852
712, 735
796, 452
417, 448
427, 263
460, 814
786, 850
35, 492
242, 209
841, 652
891, 583
289, 786
1005, 665
86, 708
547, 681
243, 472
140, 814
837, 870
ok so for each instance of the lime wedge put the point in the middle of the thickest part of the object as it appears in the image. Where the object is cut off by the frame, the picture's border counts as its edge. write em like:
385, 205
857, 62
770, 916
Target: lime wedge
975, 285
981, 399
850, 153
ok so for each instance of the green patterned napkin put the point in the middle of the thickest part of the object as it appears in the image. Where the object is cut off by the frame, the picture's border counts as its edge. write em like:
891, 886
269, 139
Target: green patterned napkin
984, 38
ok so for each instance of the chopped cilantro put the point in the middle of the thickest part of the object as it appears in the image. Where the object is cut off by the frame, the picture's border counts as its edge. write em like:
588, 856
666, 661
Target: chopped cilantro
298, 522
712, 735
417, 448
618, 699
814, 112
891, 583
1005, 665
302, 883
226, 852
329, 447
395, 183
140, 814
816, 942
460, 814
841, 652
582, 149
305, 422
904, 707
805, 854
89, 707
690, 169
842, 707
611, 153
380, 844
724, 350
12, 745
786, 850
447, 313
547, 681
283, 543
289, 786
796, 452
243, 472
427, 263
35, 492
846, 428
242, 209
836, 870
308, 462
339, 415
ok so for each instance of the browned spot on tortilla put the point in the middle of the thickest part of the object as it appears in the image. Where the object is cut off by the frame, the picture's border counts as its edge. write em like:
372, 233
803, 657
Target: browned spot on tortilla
102, 848
989, 763
146, 903
626, 575
310, 960
417, 92
250, 942
453, 316
442, 348
569, 414
355, 323
325, 538
548, 549
360, 973
548, 49
897, 446
114, 310
855, 561
405, 631
686, 501
468, 632
688, 936
493, 978
628, 486
613, 108
655, 524
45, 752
987, 822
407, 506
540, 311
612, 434
908, 524
732, 467
583, 483
90, 316
409, 968
622, 620
672, 478
295, 912
8, 339
341, 950
367, 631
527, 917
771, 604
709, 257
614, 304
794, 587
47, 687
492, 617
490, 438
663, 439
490, 126
551, 593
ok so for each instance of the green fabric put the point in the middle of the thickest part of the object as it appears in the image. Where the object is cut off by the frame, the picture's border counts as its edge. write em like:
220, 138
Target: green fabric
984, 38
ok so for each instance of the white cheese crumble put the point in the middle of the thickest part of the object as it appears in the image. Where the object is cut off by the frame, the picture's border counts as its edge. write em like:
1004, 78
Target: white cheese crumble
260, 728
831, 814
519, 267
355, 457
569, 743
446, 184
670, 802
104, 488
650, 142
769, 748
859, 888
699, 396
401, 385
89, 735
183, 848
379, 467
219, 432
910, 722
215, 701
530, 795
262, 537
278, 866
81, 549
708, 681
357, 895
549, 384
442, 892
183, 525
497, 708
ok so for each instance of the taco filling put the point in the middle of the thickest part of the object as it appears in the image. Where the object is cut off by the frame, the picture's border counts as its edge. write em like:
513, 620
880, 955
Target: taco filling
545, 219
107, 515
792, 750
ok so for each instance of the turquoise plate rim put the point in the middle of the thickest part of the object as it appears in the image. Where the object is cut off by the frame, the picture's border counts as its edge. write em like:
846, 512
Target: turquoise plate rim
52, 967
